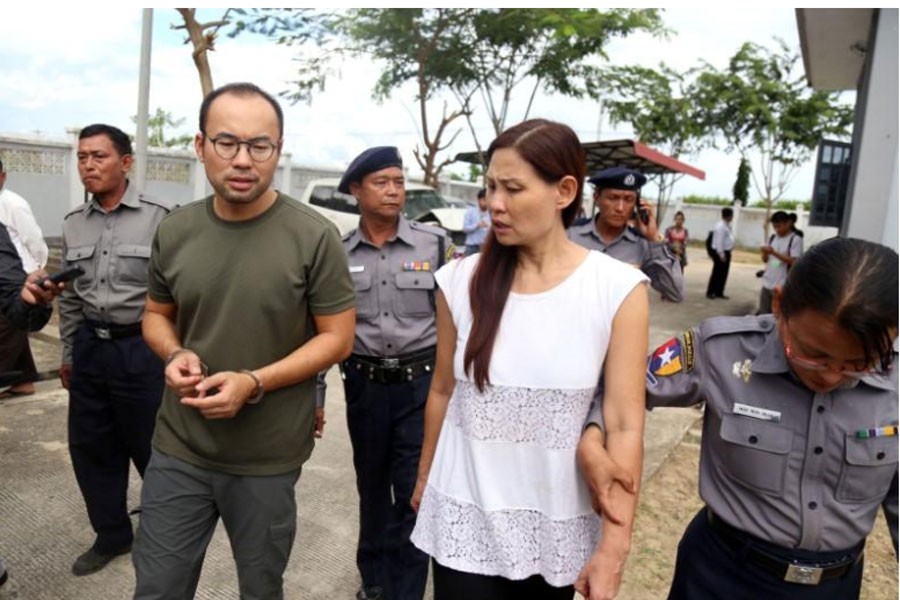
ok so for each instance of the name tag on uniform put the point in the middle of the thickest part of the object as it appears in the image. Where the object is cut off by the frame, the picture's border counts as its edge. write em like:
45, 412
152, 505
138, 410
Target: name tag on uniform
754, 412
357, 268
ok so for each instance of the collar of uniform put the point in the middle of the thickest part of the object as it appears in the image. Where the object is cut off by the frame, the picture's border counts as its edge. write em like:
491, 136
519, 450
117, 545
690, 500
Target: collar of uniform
771, 358
131, 199
404, 234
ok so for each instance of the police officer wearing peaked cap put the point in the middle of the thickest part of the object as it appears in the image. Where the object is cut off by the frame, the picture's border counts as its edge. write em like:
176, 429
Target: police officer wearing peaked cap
115, 381
386, 379
617, 198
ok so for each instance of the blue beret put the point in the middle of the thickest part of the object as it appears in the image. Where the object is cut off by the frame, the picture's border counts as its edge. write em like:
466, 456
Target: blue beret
619, 178
371, 160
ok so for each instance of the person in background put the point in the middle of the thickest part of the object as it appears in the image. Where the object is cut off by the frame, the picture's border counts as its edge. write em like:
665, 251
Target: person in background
799, 447
783, 248
114, 380
720, 251
26, 236
625, 228
24, 304
677, 237
476, 223
501, 508
386, 379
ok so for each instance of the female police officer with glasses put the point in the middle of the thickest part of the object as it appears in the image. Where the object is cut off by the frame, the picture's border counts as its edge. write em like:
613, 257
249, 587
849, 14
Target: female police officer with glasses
799, 442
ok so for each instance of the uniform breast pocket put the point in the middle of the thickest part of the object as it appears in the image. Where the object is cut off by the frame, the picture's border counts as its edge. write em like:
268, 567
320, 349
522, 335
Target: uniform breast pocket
869, 466
756, 452
83, 256
131, 263
414, 293
366, 302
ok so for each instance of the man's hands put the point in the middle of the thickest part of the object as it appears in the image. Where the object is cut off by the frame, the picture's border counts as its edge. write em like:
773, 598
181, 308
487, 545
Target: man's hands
65, 374
649, 229
602, 575
218, 396
34, 294
319, 429
601, 473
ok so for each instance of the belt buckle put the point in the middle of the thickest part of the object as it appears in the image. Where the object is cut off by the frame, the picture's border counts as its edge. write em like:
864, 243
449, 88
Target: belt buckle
390, 363
803, 575
103, 333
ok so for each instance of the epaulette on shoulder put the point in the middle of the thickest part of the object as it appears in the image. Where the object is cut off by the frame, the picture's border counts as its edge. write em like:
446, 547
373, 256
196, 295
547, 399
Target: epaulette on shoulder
169, 206
80, 208
727, 325
432, 229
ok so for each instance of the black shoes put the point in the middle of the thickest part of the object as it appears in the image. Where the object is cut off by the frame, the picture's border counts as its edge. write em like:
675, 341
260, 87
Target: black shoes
722, 297
92, 561
368, 593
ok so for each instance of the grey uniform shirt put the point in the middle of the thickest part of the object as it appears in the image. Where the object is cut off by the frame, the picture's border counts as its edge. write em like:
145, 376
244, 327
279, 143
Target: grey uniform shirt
654, 258
395, 290
113, 248
783, 463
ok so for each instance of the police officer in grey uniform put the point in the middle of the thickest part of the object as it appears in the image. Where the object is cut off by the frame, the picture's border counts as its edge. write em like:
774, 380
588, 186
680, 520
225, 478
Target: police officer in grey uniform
799, 445
386, 379
115, 381
617, 198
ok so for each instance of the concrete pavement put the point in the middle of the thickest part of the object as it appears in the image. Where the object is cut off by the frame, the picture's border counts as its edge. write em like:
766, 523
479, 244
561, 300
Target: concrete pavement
43, 525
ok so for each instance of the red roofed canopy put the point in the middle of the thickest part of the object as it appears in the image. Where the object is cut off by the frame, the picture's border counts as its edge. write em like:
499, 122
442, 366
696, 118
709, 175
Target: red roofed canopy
621, 153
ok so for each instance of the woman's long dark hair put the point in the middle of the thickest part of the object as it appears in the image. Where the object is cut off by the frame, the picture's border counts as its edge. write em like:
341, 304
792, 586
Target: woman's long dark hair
553, 151
855, 283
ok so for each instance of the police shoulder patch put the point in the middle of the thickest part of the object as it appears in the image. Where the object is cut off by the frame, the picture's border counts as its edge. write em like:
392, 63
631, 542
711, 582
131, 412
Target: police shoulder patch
666, 360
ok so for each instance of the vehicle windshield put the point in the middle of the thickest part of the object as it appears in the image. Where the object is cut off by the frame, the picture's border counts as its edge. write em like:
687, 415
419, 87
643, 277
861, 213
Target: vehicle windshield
420, 202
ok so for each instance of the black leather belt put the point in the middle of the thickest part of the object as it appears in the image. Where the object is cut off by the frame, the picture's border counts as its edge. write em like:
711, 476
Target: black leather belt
110, 331
801, 571
396, 369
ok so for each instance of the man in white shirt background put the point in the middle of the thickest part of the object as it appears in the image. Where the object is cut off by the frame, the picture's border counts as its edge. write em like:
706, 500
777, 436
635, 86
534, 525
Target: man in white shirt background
15, 351
476, 223
721, 247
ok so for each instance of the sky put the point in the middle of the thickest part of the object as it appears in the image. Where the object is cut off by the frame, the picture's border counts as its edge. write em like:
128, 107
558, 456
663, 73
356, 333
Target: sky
73, 72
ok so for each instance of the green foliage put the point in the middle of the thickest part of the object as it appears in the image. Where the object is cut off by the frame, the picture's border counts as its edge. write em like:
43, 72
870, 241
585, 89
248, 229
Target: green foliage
157, 123
476, 173
710, 200
741, 189
470, 53
761, 103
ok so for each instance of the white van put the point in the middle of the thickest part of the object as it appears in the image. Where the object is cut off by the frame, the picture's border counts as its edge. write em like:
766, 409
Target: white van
423, 204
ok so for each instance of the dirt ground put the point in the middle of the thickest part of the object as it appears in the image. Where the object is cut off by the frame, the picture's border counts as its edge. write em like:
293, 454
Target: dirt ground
670, 500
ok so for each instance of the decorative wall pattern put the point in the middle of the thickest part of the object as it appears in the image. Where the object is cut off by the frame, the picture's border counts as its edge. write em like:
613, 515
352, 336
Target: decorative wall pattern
163, 170
40, 162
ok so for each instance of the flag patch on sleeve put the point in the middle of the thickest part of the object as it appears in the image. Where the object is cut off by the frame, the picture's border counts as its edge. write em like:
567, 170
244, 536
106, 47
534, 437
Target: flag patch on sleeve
666, 360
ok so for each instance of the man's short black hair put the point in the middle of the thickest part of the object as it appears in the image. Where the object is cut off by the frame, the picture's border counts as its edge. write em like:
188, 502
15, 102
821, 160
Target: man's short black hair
727, 212
240, 89
119, 138
482, 193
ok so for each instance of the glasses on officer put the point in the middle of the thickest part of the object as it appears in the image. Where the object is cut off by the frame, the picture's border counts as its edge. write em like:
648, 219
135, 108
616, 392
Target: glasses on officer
856, 371
228, 146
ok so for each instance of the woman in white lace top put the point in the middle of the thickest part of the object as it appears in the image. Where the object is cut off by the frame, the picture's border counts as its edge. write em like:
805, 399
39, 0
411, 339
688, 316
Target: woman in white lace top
525, 329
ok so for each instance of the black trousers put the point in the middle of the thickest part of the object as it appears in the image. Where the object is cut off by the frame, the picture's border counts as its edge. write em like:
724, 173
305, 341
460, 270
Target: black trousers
450, 584
15, 352
719, 275
386, 424
114, 394
706, 568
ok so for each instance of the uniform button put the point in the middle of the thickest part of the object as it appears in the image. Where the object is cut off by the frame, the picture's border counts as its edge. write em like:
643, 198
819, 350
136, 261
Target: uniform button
415, 281
102, 281
384, 282
389, 346
753, 439
813, 505
105, 252
820, 409
880, 456
383, 257
385, 314
818, 449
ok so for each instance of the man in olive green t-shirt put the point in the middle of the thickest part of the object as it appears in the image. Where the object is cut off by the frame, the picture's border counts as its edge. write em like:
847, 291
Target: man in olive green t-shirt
249, 294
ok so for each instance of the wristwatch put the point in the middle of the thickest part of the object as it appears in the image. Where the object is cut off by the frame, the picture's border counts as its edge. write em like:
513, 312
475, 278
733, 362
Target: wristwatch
258, 392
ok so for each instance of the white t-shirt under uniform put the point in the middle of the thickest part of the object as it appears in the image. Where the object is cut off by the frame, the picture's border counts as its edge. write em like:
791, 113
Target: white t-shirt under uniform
505, 496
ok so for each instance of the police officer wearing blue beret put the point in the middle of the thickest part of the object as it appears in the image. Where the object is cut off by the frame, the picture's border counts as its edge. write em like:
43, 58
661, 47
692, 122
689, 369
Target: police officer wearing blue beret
617, 198
386, 379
